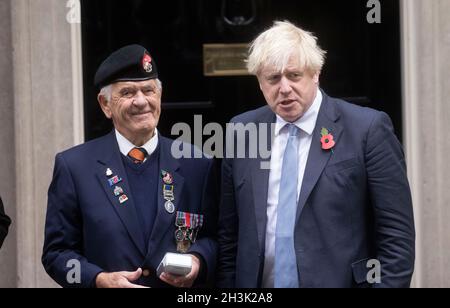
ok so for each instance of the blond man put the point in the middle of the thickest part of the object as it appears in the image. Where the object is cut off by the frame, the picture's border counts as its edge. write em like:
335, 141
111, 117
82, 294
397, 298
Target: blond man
334, 208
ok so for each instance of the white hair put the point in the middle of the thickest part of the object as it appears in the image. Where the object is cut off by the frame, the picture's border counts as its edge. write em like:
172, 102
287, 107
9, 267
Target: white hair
282, 41
106, 91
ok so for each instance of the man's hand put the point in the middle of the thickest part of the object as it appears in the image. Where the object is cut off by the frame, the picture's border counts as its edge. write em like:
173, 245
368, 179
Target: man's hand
118, 280
183, 281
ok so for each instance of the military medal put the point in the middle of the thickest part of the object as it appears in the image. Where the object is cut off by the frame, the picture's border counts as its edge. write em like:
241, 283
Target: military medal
169, 197
188, 225
170, 207
168, 191
179, 235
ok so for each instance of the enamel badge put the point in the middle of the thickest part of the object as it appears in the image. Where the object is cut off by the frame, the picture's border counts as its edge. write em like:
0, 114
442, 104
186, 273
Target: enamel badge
147, 63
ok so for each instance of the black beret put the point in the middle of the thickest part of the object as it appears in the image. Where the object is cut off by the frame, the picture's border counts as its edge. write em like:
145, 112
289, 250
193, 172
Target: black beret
130, 63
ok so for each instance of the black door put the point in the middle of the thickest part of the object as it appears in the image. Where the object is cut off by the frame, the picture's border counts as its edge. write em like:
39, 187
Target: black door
363, 61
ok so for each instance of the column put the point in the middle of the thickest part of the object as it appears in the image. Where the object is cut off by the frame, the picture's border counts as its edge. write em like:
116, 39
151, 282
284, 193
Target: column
8, 265
426, 88
48, 116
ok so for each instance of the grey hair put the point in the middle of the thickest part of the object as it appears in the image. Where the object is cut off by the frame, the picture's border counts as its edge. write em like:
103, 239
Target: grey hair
106, 91
282, 41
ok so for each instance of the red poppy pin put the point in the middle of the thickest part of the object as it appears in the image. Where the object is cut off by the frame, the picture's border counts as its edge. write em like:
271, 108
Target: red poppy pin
327, 140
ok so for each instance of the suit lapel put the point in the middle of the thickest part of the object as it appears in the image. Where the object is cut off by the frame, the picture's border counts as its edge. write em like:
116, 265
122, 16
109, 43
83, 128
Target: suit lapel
260, 180
127, 210
164, 219
318, 158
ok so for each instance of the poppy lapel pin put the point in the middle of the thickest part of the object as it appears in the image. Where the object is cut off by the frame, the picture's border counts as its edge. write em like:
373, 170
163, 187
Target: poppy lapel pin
327, 140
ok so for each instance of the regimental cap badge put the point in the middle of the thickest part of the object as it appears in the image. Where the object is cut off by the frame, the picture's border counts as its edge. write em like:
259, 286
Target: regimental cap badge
147, 63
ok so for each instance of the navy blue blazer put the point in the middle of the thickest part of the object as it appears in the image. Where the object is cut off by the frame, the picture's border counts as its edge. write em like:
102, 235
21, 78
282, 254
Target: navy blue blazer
86, 222
4, 223
355, 205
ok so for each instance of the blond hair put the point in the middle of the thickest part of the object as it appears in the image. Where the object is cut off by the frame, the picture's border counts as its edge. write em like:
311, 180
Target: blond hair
284, 40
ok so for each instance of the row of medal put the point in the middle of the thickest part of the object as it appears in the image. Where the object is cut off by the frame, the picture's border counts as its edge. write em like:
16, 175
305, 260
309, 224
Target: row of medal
188, 224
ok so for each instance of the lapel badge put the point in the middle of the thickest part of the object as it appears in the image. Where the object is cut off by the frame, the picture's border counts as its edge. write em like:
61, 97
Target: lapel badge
114, 180
123, 199
167, 177
109, 172
118, 191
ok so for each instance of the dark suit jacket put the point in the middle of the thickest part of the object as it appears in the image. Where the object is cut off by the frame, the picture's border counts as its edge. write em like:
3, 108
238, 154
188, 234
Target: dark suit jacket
4, 223
355, 204
86, 222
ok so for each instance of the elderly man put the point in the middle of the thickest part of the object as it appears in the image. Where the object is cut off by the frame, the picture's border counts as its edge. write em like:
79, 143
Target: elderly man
4, 223
334, 208
118, 204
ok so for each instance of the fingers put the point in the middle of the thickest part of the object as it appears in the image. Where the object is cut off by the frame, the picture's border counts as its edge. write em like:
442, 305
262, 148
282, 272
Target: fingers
195, 268
135, 286
177, 281
132, 276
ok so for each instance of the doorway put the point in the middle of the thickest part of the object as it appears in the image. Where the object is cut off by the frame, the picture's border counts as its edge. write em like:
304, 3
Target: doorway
362, 66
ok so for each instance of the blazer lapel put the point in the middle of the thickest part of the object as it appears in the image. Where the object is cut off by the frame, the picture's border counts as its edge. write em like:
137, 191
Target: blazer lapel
260, 179
318, 158
164, 219
126, 210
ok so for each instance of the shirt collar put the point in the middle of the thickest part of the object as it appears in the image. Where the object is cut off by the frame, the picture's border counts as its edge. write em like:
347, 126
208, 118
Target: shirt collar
126, 146
307, 122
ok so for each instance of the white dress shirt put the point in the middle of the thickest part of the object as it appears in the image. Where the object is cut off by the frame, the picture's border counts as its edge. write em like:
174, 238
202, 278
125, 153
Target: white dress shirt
307, 124
126, 146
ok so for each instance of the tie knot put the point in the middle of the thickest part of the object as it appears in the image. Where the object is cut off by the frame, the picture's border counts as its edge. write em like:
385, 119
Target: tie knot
294, 131
138, 155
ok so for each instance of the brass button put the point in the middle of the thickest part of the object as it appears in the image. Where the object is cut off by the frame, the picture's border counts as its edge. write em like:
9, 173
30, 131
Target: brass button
146, 273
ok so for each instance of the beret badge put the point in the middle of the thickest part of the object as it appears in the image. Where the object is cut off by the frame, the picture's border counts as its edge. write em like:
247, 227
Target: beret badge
147, 63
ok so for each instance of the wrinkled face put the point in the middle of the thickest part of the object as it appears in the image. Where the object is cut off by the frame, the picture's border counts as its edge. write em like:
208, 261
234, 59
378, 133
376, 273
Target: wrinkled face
134, 108
291, 92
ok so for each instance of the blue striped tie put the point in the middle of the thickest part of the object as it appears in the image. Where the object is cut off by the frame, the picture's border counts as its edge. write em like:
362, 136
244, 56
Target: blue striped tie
285, 259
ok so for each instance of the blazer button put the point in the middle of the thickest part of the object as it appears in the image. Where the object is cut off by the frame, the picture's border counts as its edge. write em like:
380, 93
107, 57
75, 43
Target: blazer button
146, 273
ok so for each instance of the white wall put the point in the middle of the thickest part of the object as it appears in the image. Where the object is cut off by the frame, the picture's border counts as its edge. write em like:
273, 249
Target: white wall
45, 77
